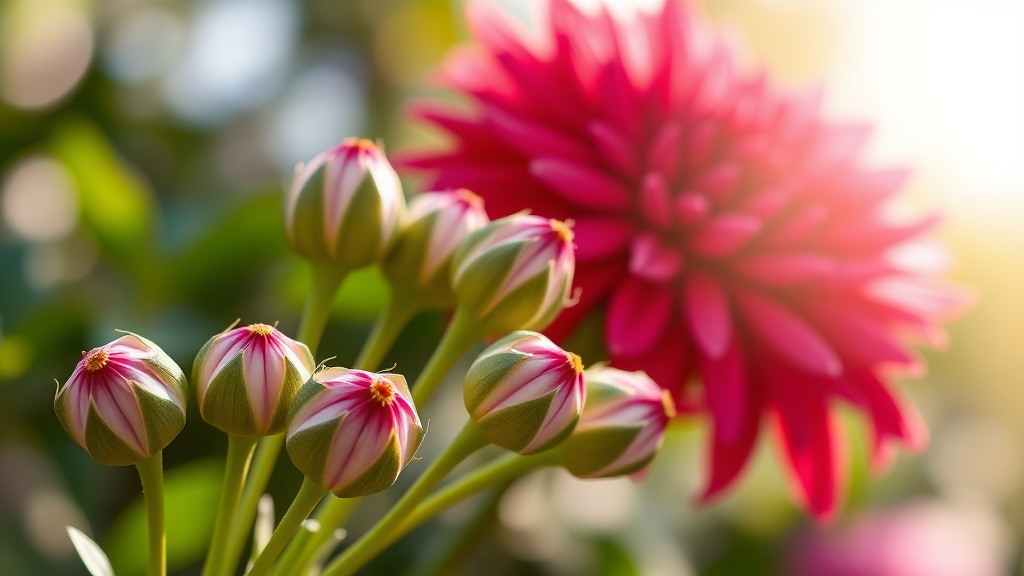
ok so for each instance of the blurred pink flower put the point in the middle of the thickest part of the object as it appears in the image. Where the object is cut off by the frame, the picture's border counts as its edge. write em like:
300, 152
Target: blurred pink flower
923, 539
728, 230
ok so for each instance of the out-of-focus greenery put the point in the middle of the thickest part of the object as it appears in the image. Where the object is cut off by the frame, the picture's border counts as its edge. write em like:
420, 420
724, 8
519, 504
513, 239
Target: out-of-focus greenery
176, 199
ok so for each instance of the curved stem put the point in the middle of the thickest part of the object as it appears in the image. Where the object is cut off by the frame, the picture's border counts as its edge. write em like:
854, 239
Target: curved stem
151, 472
462, 333
373, 542
400, 309
333, 516
307, 498
256, 481
239, 453
501, 470
323, 286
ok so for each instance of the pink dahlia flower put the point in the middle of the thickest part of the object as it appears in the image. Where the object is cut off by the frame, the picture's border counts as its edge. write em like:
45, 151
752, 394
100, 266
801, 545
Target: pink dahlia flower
729, 231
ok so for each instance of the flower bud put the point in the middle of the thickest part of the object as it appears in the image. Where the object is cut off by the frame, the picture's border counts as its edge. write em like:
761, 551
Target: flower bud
525, 393
124, 402
344, 206
353, 431
622, 425
246, 379
515, 273
437, 223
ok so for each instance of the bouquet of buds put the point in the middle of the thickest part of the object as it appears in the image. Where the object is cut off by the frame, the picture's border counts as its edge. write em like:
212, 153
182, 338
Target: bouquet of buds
351, 431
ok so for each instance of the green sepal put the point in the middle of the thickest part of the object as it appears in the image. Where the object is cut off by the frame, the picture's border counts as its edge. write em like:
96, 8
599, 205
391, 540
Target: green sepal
162, 418
104, 445
516, 426
519, 309
486, 374
554, 308
361, 239
310, 448
308, 238
227, 404
588, 451
629, 468
478, 285
380, 476
403, 268
162, 363
557, 438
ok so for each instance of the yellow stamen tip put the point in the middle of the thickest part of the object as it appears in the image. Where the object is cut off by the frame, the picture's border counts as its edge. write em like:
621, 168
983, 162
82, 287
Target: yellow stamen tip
668, 404
470, 198
360, 143
383, 391
96, 360
261, 329
563, 229
576, 362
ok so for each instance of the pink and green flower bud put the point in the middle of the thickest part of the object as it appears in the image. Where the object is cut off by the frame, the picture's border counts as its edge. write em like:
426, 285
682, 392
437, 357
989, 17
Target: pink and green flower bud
353, 431
344, 206
437, 223
246, 379
622, 425
124, 402
515, 273
525, 393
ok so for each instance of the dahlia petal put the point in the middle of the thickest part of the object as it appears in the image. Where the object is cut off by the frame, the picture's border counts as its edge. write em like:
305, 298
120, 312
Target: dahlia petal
665, 150
797, 227
919, 257
474, 136
654, 196
652, 260
506, 189
499, 33
785, 269
473, 70
580, 184
765, 204
598, 237
728, 459
691, 207
864, 235
920, 297
614, 147
836, 146
857, 336
706, 306
798, 116
811, 445
593, 281
638, 314
700, 144
786, 334
615, 97
724, 235
869, 188
667, 363
725, 389
892, 417
583, 43
719, 183
534, 140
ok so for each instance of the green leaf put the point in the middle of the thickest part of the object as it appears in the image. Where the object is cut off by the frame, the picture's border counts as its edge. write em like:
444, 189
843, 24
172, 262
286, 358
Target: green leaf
191, 494
92, 555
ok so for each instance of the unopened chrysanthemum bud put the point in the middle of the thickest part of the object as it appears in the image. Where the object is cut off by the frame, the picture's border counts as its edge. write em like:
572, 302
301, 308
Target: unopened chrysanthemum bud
344, 205
515, 273
525, 393
124, 402
437, 223
246, 379
353, 431
622, 425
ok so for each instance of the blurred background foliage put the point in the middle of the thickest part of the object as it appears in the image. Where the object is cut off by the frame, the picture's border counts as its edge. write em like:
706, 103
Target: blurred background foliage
143, 146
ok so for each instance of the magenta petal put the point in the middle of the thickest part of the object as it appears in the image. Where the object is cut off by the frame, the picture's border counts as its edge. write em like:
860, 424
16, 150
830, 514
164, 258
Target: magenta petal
811, 442
120, 410
614, 147
719, 183
665, 150
725, 390
535, 140
706, 307
654, 196
691, 207
787, 334
857, 336
667, 363
651, 259
580, 184
598, 237
638, 313
785, 269
798, 226
728, 459
724, 235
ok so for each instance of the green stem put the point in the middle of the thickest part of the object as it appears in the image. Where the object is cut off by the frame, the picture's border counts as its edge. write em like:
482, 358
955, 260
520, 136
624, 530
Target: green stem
305, 501
445, 555
256, 481
501, 470
332, 516
462, 333
239, 453
288, 561
151, 471
400, 309
373, 542
323, 286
